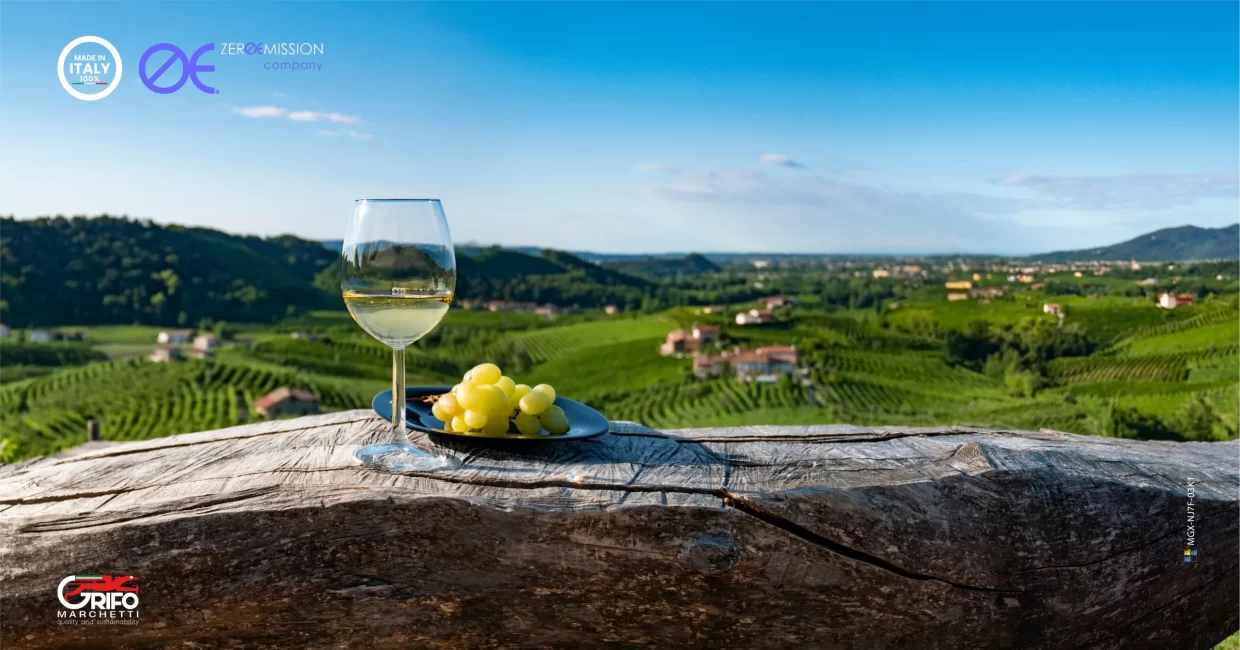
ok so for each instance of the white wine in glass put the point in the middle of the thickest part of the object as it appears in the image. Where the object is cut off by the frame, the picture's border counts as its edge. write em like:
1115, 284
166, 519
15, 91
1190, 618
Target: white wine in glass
398, 277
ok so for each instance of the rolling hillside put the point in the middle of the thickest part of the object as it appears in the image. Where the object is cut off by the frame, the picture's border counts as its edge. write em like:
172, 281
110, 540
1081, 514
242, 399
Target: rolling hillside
119, 270
1169, 244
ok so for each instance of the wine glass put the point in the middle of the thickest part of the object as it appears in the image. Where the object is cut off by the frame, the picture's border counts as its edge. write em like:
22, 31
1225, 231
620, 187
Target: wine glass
398, 277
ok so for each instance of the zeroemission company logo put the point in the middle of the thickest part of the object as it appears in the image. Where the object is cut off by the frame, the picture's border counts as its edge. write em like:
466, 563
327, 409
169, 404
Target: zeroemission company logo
189, 66
91, 599
89, 68
297, 51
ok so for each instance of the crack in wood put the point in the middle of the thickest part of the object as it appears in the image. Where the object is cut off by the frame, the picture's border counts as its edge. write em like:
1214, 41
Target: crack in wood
816, 539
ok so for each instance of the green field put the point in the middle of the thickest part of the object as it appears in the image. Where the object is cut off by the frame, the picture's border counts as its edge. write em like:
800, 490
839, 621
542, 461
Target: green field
856, 368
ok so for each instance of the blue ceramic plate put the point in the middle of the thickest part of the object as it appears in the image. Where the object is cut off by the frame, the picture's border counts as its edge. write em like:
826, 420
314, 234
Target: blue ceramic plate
583, 421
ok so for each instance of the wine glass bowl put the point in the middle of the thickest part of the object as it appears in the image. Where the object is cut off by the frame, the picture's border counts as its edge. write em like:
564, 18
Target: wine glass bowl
398, 275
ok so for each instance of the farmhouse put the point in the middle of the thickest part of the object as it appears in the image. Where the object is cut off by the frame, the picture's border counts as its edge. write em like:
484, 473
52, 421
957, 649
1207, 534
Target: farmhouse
881, 273
680, 341
1052, 308
957, 295
959, 285
505, 305
772, 302
287, 401
755, 317
174, 336
550, 311
1171, 300
611, 310
164, 353
762, 365
204, 346
986, 293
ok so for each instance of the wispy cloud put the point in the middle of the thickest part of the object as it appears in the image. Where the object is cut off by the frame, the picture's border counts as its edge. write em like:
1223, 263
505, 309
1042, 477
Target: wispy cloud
811, 211
655, 167
780, 160
260, 111
351, 134
1126, 191
307, 116
317, 116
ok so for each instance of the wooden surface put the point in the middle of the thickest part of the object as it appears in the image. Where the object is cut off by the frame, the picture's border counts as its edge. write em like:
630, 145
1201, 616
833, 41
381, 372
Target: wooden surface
270, 535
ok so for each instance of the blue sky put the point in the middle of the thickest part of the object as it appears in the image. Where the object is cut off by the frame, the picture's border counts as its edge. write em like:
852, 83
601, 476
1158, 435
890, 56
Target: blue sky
826, 127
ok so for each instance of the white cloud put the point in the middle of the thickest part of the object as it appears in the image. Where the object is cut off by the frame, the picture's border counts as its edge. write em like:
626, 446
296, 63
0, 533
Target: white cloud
1125, 191
654, 167
351, 134
780, 160
316, 116
307, 116
260, 111
812, 212
296, 116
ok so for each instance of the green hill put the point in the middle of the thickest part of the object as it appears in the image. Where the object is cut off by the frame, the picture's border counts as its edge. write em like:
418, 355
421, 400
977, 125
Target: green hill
119, 270
1169, 244
691, 264
555, 276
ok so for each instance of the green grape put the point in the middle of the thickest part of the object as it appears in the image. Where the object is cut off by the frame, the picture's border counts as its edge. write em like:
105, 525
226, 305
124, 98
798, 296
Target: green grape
475, 419
467, 395
496, 426
506, 384
528, 424
440, 412
450, 405
518, 391
535, 402
458, 425
491, 400
554, 420
546, 388
486, 373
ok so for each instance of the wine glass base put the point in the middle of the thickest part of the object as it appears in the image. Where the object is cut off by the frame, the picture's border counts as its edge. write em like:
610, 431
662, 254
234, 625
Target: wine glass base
402, 458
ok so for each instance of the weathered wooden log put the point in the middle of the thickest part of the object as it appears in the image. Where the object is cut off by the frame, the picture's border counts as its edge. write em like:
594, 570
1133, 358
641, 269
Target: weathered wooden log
270, 535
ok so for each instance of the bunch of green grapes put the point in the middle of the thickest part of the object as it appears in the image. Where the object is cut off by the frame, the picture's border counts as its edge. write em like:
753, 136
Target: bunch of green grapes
488, 401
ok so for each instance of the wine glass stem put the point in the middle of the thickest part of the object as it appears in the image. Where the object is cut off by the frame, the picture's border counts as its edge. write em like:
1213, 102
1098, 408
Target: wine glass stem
399, 435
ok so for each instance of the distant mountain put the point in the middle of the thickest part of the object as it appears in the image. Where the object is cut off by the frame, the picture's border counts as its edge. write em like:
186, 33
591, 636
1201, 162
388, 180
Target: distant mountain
1184, 243
691, 264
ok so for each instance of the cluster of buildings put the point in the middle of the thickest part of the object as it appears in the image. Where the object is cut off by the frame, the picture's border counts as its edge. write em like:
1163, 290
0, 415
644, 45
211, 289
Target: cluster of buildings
899, 271
681, 341
285, 401
964, 290
764, 364
755, 317
203, 345
1173, 300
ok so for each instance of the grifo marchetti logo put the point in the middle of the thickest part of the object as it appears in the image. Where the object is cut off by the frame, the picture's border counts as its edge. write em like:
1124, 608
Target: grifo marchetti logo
98, 596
